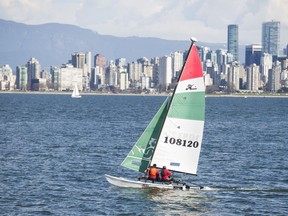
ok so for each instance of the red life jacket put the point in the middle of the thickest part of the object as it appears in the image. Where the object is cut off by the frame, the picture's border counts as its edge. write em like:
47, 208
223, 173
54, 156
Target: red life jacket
166, 174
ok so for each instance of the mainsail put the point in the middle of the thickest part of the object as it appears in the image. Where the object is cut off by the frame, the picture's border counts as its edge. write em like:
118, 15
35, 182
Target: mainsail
178, 147
174, 136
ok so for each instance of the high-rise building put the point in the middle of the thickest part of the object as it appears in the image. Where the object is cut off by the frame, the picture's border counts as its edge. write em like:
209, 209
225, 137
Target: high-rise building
83, 60
100, 65
271, 37
69, 76
21, 78
233, 77
266, 65
274, 77
165, 72
253, 54
33, 71
232, 41
253, 78
55, 71
124, 84
177, 63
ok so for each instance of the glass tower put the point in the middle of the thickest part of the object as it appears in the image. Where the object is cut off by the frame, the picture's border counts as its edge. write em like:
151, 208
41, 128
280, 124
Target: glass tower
233, 41
271, 37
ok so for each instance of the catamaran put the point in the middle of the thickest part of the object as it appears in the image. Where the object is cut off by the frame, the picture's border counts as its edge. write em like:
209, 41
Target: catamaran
75, 93
173, 138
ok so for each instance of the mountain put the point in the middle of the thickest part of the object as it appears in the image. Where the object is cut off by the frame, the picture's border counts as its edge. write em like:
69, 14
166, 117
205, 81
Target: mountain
52, 44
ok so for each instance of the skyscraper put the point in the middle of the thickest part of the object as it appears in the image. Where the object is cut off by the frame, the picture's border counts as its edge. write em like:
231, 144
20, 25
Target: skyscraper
33, 72
253, 54
232, 41
253, 78
100, 62
21, 77
271, 37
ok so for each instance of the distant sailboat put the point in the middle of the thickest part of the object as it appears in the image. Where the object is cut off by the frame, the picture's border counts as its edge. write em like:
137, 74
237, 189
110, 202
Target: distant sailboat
174, 136
75, 93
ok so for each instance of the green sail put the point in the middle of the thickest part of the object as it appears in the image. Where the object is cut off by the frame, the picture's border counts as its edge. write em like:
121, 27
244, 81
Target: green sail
139, 157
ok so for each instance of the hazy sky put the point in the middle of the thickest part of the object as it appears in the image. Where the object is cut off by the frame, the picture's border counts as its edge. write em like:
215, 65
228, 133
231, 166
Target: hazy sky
206, 20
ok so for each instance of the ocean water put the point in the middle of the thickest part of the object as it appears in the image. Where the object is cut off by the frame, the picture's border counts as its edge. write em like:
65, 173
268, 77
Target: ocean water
55, 150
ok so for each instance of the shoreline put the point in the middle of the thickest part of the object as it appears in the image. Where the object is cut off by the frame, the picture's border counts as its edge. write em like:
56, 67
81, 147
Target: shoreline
133, 94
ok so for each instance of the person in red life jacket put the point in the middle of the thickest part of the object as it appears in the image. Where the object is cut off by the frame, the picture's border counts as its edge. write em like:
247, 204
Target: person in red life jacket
166, 174
153, 173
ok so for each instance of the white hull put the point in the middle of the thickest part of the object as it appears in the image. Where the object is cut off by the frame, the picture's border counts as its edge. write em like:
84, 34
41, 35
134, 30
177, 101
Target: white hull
76, 96
123, 182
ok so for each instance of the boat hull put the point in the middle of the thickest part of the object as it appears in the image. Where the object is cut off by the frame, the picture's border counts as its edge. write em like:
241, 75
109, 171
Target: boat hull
123, 182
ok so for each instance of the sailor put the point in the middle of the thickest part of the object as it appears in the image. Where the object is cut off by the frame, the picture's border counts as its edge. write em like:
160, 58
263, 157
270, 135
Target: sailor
153, 173
166, 174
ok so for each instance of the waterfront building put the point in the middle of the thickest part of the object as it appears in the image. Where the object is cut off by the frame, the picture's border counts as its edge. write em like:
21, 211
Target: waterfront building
135, 71
271, 37
100, 61
82, 60
55, 71
121, 62
253, 54
21, 77
145, 82
177, 63
203, 51
124, 83
253, 78
242, 77
165, 72
274, 82
97, 77
221, 56
148, 70
265, 66
233, 77
7, 79
212, 56
155, 67
33, 71
68, 77
232, 41
111, 74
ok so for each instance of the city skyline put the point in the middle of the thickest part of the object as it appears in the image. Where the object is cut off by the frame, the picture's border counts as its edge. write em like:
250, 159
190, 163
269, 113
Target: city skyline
209, 19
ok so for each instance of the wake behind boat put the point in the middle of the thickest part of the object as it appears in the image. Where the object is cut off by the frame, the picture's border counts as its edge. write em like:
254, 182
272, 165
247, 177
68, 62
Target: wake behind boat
173, 138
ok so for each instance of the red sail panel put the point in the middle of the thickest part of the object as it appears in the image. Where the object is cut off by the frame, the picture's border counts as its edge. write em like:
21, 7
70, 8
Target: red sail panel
193, 67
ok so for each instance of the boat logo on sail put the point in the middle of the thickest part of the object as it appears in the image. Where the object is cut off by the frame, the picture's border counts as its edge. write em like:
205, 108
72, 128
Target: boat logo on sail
191, 87
150, 148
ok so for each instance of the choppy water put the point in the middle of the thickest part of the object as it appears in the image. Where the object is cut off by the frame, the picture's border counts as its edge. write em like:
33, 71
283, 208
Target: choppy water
54, 152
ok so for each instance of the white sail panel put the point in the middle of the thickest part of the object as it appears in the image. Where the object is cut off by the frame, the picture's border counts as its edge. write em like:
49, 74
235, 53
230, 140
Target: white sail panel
195, 85
179, 145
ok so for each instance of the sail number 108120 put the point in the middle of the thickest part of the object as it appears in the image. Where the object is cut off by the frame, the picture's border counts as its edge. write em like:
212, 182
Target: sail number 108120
181, 142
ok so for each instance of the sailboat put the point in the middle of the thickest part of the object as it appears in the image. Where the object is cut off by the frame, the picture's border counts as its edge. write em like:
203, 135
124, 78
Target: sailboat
75, 93
173, 138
